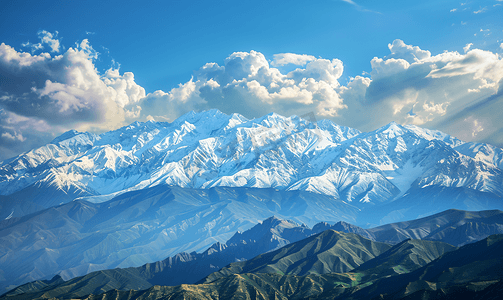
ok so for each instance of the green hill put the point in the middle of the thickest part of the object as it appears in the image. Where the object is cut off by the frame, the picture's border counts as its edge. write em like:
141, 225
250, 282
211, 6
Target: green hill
328, 252
474, 271
404, 257
474, 267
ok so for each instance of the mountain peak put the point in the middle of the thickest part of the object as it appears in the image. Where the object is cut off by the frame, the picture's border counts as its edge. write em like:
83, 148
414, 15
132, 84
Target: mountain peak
393, 128
67, 135
271, 220
209, 149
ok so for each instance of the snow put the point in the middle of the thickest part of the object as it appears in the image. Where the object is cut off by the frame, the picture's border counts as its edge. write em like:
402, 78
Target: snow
208, 149
403, 177
9, 216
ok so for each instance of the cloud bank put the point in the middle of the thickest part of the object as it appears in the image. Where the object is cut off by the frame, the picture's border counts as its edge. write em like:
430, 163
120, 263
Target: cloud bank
45, 94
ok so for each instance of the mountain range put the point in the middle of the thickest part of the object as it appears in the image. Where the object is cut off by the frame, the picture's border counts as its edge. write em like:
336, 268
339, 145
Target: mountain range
280, 246
412, 269
392, 166
167, 194
470, 272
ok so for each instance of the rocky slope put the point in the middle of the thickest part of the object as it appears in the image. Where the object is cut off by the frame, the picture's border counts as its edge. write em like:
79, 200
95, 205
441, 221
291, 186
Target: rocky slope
471, 272
144, 226
209, 149
407, 255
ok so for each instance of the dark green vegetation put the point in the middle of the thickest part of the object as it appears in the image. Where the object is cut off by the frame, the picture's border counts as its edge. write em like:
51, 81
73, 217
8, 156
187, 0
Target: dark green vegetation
402, 258
453, 226
328, 252
473, 267
181, 268
474, 271
321, 266
150, 225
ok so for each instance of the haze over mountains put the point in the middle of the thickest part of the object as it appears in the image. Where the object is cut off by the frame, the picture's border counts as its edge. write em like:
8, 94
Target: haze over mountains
301, 269
78, 253
149, 191
209, 149
471, 272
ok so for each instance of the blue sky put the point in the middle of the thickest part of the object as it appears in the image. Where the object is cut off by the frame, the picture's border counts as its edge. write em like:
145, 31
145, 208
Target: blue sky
99, 65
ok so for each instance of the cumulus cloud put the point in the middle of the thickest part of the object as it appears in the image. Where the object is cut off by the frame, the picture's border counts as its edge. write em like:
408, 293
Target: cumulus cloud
46, 38
448, 91
42, 95
410, 86
407, 52
249, 85
291, 58
49, 39
50, 94
64, 89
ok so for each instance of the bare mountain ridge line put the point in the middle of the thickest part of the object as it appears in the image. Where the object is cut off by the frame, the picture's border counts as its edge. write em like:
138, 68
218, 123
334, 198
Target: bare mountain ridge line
134, 229
246, 171
207, 149
79, 237
431, 281
80, 287
352, 285
327, 252
269, 230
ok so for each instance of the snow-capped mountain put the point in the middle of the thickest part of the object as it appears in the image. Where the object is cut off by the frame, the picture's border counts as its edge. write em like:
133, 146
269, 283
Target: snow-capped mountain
210, 149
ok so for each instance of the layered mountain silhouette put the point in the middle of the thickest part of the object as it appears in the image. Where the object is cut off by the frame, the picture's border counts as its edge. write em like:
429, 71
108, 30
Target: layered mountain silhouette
395, 165
358, 259
328, 252
145, 226
159, 195
466, 272
471, 272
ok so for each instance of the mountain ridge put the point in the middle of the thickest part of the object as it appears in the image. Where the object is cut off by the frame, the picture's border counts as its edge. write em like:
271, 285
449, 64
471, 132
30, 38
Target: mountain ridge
209, 149
273, 233
484, 282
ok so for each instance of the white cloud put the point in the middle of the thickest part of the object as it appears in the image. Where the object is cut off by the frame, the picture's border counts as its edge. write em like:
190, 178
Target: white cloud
475, 126
501, 45
484, 9
453, 10
247, 84
359, 7
13, 136
443, 91
438, 91
440, 108
486, 32
163, 106
46, 38
350, 2
51, 94
49, 39
291, 58
467, 47
407, 52
386, 67
34, 47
